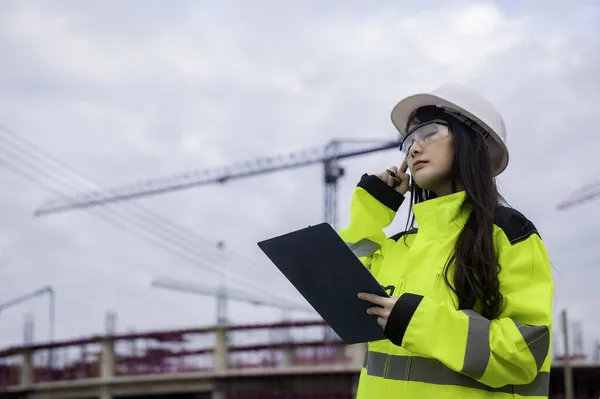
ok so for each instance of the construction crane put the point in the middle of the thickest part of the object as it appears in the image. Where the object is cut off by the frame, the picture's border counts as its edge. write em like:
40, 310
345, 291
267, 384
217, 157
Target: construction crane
223, 294
329, 156
46, 290
582, 195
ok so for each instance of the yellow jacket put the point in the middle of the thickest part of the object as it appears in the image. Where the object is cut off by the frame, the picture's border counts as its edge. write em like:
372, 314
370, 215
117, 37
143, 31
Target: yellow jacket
433, 349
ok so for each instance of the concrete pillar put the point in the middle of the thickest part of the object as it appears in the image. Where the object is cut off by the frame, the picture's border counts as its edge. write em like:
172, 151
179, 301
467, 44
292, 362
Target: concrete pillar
220, 354
357, 353
219, 393
355, 380
105, 393
287, 356
26, 377
107, 365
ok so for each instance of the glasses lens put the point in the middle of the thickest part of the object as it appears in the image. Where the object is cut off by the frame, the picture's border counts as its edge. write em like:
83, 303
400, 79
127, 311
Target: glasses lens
424, 134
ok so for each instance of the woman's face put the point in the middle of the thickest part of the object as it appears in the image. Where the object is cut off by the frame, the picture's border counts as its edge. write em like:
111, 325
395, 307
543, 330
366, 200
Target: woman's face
430, 159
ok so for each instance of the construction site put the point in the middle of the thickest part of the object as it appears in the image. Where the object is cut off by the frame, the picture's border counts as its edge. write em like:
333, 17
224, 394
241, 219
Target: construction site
168, 364
289, 359
148, 150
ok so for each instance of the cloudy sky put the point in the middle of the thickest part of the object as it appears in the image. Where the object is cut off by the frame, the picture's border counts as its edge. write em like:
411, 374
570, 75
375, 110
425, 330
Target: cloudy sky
118, 91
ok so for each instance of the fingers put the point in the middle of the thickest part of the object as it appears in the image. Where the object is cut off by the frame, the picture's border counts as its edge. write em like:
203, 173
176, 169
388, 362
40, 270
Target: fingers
396, 177
399, 173
403, 167
379, 311
376, 299
383, 311
386, 178
390, 180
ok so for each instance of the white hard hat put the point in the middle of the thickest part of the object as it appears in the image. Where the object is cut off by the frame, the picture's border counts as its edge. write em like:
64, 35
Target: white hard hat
467, 106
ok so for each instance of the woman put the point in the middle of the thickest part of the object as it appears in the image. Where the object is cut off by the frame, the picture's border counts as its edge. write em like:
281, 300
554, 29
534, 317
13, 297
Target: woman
470, 307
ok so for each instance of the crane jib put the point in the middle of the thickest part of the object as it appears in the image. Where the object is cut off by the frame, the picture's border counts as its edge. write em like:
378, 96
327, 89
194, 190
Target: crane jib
328, 154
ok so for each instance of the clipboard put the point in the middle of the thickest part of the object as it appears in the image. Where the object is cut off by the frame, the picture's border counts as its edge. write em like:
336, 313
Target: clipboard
328, 275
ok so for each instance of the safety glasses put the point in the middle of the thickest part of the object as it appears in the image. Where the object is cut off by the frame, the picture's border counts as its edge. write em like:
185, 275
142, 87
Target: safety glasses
425, 134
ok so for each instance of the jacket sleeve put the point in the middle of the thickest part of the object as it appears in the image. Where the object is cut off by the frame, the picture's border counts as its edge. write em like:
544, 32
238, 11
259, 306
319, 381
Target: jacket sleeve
511, 349
373, 208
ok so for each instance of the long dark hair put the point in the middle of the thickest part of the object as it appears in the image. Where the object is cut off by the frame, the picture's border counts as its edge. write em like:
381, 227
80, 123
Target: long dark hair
473, 266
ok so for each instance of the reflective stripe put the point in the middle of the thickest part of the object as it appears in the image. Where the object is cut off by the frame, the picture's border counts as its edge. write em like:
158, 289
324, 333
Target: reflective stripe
538, 341
364, 247
477, 352
431, 371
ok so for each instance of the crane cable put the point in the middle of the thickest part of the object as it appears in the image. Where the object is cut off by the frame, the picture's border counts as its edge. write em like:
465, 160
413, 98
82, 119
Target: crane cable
175, 248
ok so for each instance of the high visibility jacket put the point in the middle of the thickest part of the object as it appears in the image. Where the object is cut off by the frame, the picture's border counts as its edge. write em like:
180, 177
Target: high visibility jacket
433, 349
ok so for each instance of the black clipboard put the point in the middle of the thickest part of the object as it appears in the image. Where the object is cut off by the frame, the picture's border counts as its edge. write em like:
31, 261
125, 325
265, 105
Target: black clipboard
329, 276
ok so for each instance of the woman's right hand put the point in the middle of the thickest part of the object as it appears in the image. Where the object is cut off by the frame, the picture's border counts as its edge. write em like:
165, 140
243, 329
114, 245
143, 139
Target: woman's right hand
401, 182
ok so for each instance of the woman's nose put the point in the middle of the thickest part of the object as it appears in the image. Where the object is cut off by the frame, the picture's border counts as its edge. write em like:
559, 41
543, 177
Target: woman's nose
415, 148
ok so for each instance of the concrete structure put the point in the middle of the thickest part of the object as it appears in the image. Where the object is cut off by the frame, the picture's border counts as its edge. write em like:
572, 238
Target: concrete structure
190, 363
261, 361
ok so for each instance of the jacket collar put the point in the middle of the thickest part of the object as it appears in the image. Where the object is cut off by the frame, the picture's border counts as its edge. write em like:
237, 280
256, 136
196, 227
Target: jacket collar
441, 215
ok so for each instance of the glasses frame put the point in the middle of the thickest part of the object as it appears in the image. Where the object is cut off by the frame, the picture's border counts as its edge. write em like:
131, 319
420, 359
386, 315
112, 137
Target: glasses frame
410, 132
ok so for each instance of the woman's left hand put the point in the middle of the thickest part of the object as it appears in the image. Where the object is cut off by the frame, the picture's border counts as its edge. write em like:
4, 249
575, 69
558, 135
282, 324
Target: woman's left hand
384, 308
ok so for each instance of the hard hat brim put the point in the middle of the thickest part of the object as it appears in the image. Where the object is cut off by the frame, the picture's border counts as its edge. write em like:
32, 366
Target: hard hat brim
404, 109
